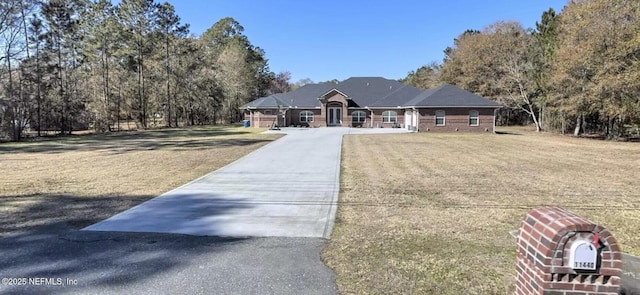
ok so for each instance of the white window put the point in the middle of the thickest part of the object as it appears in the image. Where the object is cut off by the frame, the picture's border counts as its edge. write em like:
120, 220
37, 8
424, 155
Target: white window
358, 117
474, 118
389, 117
440, 120
306, 116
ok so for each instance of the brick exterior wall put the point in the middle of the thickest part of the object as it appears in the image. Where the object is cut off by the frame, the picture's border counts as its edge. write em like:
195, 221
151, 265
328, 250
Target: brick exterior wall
294, 118
544, 242
377, 117
259, 119
335, 99
367, 119
456, 120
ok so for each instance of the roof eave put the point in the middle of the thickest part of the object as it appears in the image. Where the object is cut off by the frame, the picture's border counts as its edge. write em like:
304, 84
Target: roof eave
388, 107
444, 106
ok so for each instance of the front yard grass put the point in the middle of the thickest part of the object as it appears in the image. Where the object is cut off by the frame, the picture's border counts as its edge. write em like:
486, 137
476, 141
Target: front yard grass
75, 181
430, 213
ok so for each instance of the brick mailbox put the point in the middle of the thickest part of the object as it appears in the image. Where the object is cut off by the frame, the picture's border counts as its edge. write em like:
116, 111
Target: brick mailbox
560, 253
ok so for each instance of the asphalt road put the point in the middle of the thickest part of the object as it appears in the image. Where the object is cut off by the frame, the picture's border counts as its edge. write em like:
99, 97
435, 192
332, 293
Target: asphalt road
137, 263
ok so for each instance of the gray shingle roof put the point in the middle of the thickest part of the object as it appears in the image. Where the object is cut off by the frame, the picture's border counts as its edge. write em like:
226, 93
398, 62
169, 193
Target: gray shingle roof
271, 101
303, 97
450, 96
398, 97
375, 92
370, 91
307, 95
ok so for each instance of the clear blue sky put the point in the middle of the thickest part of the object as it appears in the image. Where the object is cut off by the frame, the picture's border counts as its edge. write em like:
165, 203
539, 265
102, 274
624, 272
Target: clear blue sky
323, 40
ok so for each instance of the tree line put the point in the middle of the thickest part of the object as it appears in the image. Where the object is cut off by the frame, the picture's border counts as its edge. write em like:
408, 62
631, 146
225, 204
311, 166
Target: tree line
576, 71
74, 64
67, 65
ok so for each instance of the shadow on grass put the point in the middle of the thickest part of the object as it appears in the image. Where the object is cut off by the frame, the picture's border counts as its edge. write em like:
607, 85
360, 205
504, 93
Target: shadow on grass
507, 133
39, 211
197, 131
171, 139
51, 247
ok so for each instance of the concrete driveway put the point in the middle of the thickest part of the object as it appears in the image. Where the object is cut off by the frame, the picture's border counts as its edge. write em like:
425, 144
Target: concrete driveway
288, 188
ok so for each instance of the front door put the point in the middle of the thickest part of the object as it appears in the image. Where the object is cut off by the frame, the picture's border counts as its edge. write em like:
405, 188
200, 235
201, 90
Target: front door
335, 116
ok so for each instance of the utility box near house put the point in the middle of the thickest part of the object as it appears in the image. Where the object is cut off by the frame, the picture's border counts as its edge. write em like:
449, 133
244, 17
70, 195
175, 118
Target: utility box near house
560, 253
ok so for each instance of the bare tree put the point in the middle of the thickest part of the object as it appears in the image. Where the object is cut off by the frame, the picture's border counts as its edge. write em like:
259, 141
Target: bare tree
234, 75
281, 83
514, 60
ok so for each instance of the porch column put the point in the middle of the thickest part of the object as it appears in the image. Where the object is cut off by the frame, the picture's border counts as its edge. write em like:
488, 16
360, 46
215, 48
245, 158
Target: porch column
371, 118
284, 118
346, 117
322, 120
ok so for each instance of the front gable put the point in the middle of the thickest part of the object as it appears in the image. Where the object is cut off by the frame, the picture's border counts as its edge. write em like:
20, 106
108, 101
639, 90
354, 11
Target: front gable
335, 95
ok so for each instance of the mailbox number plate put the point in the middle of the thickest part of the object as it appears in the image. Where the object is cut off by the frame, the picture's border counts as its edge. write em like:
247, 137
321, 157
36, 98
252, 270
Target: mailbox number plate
583, 255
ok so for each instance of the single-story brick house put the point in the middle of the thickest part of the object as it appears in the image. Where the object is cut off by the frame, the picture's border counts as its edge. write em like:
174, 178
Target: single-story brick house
375, 102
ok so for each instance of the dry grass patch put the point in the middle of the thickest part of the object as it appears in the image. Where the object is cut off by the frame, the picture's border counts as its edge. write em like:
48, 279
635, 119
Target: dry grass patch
76, 181
430, 213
